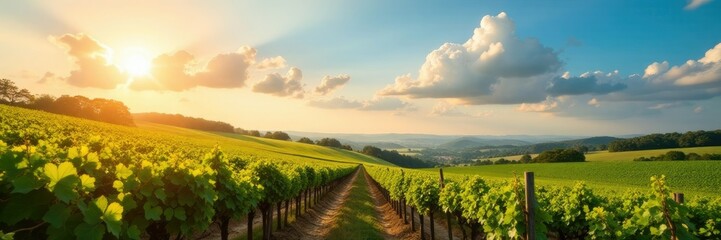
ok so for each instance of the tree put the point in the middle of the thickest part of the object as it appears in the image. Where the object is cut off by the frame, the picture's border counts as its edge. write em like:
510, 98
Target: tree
12, 95
674, 155
277, 135
305, 140
347, 147
560, 155
329, 142
526, 158
254, 133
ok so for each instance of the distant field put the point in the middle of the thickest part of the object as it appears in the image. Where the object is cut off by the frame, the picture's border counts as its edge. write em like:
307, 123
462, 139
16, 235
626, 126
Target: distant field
629, 156
404, 151
264, 147
690, 177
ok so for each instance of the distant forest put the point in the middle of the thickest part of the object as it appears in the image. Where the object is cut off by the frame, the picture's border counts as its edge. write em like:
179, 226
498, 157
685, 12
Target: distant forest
98, 109
667, 140
185, 122
396, 158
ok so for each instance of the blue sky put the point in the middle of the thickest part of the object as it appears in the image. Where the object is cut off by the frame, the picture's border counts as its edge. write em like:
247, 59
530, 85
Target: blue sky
382, 66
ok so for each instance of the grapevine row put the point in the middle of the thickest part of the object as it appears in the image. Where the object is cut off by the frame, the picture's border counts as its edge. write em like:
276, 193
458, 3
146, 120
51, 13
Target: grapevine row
63, 178
496, 209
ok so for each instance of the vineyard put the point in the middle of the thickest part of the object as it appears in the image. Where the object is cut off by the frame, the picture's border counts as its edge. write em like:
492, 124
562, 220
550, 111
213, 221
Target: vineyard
62, 177
499, 210
66, 178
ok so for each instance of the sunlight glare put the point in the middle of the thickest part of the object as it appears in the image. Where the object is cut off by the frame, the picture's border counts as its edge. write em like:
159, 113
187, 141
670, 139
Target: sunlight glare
136, 62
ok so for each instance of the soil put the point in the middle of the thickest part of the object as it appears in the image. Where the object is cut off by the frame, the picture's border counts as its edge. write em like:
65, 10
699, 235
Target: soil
318, 221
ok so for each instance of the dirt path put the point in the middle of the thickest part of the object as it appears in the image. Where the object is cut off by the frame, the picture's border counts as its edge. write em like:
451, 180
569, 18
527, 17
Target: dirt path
394, 226
318, 221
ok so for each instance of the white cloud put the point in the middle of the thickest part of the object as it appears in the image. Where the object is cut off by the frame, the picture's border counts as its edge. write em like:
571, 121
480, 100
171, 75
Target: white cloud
336, 103
375, 104
493, 67
173, 71
693, 4
549, 105
227, 70
276, 62
698, 109
384, 104
282, 86
92, 59
330, 83
693, 80
594, 102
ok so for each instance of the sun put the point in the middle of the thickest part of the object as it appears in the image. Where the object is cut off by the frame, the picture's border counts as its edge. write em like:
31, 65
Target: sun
136, 62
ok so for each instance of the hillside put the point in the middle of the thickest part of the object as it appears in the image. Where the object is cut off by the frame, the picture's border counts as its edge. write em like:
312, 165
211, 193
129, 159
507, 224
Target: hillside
264, 147
474, 142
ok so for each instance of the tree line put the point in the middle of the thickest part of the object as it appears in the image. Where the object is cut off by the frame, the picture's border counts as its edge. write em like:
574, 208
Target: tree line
551, 156
185, 121
395, 157
668, 140
680, 156
98, 109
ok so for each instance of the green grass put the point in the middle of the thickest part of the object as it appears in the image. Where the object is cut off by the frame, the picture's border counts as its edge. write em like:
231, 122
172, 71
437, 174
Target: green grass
629, 156
357, 219
264, 147
691, 177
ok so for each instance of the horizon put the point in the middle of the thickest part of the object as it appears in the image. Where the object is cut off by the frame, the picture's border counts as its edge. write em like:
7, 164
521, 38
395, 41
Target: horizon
497, 68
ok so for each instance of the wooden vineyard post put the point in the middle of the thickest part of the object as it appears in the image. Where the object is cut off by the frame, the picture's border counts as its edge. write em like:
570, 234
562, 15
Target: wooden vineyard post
413, 220
251, 215
448, 214
530, 207
678, 197
423, 229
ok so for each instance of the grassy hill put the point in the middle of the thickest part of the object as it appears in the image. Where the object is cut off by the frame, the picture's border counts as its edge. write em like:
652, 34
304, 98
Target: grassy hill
264, 147
629, 156
615, 171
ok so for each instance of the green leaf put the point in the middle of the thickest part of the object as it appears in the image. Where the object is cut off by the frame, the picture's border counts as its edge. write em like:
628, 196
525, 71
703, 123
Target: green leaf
160, 194
25, 184
122, 172
118, 185
57, 215
112, 216
133, 232
25, 206
168, 213
180, 214
73, 153
152, 213
63, 179
87, 182
90, 232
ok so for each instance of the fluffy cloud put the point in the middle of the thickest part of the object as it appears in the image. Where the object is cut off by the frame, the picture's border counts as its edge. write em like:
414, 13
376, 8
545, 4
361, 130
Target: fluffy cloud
288, 85
585, 84
384, 104
228, 70
336, 103
693, 4
492, 64
693, 80
329, 83
549, 105
172, 71
271, 63
445, 109
91, 58
375, 104
169, 72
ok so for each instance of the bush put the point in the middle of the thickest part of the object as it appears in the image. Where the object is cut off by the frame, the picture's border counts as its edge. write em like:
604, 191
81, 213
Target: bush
560, 155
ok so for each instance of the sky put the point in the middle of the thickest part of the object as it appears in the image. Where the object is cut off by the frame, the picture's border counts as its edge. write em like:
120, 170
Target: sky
484, 67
